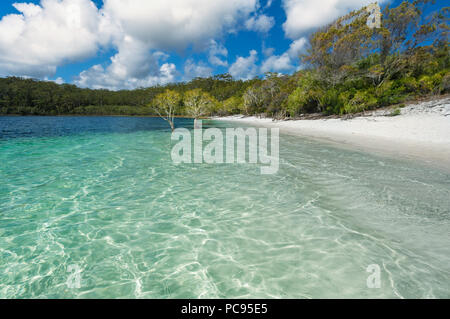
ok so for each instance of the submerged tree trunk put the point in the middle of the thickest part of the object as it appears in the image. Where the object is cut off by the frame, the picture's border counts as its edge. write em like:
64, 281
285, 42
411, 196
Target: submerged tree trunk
196, 124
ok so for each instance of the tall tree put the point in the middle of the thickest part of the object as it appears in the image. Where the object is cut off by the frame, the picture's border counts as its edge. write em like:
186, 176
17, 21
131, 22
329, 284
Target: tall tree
337, 46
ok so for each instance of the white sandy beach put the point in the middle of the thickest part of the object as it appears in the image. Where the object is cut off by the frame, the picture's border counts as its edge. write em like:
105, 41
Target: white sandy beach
421, 132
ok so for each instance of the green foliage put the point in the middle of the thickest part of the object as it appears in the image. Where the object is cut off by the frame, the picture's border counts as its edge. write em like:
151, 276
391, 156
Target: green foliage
308, 97
390, 65
360, 102
335, 48
429, 84
166, 105
445, 84
232, 105
198, 103
298, 102
390, 92
31, 97
410, 84
329, 101
396, 112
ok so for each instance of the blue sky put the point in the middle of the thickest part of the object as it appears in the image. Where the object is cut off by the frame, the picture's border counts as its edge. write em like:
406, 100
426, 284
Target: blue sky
124, 44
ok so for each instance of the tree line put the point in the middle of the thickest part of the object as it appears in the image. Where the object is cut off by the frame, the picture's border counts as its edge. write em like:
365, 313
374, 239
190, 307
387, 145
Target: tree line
351, 66
20, 96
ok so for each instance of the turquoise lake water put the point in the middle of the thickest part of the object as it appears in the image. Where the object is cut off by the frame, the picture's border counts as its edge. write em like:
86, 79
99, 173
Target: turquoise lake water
101, 194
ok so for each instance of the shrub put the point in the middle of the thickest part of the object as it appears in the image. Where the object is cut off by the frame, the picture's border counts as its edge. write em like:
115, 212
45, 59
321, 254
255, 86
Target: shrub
426, 85
445, 84
437, 82
390, 92
301, 101
410, 84
361, 101
396, 112
233, 105
329, 101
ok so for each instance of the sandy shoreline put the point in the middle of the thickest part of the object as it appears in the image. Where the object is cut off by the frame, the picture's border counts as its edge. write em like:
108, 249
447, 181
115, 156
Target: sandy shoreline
421, 132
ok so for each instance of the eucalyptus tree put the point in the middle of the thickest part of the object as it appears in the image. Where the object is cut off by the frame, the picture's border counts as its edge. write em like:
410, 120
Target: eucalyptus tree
197, 104
166, 105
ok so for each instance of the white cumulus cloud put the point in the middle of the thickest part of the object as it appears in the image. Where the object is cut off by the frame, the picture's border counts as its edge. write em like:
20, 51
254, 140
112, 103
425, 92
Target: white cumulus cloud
40, 38
277, 63
195, 70
98, 78
175, 24
261, 23
287, 61
305, 15
245, 67
140, 26
135, 65
217, 54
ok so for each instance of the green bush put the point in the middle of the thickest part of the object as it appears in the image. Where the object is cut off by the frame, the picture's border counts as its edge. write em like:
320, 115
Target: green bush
426, 85
445, 83
396, 112
301, 101
410, 84
361, 101
233, 105
329, 101
390, 92
437, 83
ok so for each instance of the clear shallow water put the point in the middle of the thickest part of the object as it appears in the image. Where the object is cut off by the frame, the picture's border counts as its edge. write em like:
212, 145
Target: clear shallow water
103, 194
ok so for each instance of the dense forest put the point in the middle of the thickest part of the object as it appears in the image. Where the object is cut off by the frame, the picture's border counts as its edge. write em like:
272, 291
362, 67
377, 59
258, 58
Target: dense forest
32, 97
350, 67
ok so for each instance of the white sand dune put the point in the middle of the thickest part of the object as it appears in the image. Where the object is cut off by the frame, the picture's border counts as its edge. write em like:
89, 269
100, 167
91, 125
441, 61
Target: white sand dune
421, 132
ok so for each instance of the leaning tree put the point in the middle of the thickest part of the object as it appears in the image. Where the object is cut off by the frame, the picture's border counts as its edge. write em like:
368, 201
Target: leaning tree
166, 105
